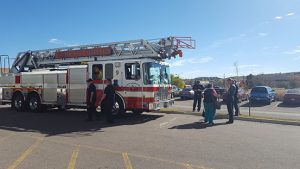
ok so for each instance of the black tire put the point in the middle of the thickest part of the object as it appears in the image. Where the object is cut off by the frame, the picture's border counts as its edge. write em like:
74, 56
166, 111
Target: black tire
270, 101
34, 104
137, 111
18, 102
118, 108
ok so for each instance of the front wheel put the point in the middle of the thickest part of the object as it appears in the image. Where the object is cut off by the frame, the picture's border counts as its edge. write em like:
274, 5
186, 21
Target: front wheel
118, 107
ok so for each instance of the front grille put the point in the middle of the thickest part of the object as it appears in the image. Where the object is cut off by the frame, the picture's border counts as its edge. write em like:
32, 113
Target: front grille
163, 93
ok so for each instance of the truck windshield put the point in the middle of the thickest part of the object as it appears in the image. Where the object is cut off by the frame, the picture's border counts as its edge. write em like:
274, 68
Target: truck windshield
165, 74
155, 73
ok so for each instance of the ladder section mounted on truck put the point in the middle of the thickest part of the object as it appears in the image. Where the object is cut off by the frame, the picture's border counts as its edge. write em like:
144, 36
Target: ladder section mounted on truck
159, 49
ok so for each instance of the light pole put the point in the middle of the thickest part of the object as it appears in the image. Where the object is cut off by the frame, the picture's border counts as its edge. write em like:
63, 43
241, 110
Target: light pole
7, 57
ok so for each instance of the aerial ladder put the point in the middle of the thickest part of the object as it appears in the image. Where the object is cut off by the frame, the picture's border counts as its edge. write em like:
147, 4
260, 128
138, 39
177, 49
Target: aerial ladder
159, 49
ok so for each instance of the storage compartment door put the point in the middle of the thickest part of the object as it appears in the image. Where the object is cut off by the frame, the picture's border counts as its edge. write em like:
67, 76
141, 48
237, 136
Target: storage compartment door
50, 88
77, 85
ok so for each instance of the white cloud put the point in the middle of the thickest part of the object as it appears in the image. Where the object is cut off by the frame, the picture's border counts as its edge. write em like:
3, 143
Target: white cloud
191, 74
204, 59
54, 40
296, 50
61, 42
182, 62
278, 17
178, 63
290, 14
263, 34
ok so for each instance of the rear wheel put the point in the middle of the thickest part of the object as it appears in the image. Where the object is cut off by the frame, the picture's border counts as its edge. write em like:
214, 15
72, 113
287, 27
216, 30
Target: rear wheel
18, 102
34, 104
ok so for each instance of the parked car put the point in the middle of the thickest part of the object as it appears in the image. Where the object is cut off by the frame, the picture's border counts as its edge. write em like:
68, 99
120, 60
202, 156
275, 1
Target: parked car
220, 90
262, 94
175, 91
243, 95
292, 96
186, 93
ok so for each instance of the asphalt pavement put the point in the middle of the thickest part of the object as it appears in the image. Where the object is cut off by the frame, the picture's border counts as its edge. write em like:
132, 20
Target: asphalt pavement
58, 140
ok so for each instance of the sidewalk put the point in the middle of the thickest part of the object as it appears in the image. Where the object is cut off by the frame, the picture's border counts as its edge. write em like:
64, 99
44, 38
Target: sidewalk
257, 116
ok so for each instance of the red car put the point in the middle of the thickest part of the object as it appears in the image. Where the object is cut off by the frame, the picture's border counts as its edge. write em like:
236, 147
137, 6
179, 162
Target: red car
292, 96
243, 95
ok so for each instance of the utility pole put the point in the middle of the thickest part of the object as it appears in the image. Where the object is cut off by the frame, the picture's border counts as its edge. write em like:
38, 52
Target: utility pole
236, 66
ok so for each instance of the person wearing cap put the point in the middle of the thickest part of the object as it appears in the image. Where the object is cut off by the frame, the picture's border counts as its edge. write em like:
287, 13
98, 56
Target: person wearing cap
230, 99
108, 100
198, 88
91, 99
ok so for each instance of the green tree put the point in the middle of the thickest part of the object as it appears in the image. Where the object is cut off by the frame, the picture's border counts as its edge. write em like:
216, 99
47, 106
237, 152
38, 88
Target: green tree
177, 81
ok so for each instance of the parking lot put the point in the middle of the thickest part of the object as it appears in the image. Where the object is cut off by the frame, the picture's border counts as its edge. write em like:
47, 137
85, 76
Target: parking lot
56, 139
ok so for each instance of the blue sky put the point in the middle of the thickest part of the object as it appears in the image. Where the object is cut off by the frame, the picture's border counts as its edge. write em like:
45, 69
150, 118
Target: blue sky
261, 36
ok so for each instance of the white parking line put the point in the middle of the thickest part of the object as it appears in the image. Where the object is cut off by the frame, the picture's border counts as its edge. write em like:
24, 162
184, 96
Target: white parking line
162, 125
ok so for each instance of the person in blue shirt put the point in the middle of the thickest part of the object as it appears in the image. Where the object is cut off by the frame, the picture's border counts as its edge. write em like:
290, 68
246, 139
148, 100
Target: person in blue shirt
108, 101
198, 88
91, 99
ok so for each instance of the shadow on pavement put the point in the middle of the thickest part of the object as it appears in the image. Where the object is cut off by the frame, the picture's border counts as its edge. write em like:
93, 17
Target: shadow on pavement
253, 104
288, 105
55, 122
179, 99
196, 125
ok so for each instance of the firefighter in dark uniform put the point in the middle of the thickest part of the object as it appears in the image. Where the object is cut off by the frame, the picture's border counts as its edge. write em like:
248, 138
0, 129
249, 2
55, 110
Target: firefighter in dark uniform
198, 88
236, 100
108, 101
91, 99
230, 99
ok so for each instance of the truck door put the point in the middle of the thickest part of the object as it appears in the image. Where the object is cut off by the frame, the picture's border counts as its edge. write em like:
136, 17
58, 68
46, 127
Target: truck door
133, 87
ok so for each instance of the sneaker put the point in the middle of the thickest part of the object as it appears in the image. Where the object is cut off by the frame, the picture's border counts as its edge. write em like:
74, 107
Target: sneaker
229, 122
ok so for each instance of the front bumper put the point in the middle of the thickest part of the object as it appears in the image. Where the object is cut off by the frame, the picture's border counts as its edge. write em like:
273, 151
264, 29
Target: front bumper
160, 104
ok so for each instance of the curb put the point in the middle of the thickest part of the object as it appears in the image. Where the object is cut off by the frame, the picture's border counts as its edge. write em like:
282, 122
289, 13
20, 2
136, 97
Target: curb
261, 119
